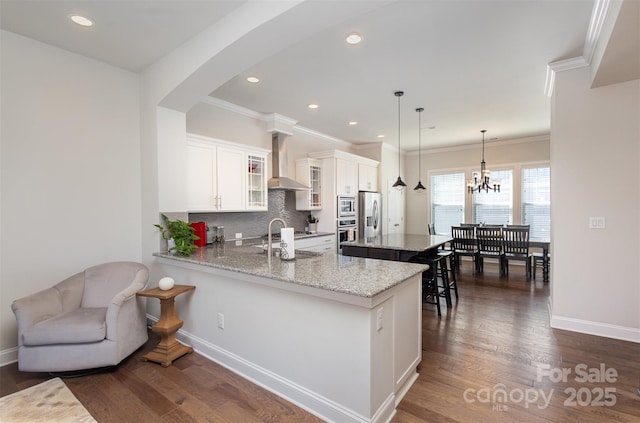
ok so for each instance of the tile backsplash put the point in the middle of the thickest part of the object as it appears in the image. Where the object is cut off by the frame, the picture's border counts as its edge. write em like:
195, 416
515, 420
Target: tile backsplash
282, 204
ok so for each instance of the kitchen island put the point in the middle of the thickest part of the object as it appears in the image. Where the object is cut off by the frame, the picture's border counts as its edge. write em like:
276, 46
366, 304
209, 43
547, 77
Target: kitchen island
396, 247
339, 336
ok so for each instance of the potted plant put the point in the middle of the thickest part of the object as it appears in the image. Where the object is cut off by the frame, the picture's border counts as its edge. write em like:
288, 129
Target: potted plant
181, 233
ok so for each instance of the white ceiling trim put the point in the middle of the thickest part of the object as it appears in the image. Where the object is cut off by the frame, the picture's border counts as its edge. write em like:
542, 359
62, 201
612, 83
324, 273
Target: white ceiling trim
232, 107
488, 144
270, 117
559, 66
598, 16
316, 134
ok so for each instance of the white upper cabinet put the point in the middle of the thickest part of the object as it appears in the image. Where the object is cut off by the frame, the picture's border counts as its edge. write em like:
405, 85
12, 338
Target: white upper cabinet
223, 176
256, 182
367, 177
309, 172
201, 178
346, 177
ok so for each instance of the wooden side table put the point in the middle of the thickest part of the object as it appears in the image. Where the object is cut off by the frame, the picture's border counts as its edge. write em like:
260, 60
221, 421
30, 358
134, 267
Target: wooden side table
169, 348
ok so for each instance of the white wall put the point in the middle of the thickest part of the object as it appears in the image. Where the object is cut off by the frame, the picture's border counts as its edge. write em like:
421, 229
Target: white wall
595, 158
70, 169
498, 155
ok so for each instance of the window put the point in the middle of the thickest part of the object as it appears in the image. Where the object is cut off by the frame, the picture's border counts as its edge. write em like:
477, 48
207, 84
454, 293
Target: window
494, 208
536, 201
447, 201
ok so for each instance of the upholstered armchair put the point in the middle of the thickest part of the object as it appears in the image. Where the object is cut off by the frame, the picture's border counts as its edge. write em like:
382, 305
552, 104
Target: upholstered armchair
92, 319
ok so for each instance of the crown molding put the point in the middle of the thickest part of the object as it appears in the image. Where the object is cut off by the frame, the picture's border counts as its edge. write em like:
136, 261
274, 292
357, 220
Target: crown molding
560, 66
272, 117
320, 135
488, 144
232, 107
598, 16
278, 118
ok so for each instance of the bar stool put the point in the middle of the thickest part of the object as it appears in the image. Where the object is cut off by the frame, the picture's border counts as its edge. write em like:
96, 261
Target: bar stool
430, 290
448, 274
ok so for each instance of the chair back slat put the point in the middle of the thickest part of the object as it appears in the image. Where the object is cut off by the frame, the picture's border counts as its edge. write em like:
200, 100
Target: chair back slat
516, 241
489, 239
464, 238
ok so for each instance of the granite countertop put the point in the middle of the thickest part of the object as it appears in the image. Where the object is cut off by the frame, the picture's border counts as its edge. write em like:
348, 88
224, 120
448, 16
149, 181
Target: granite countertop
329, 271
406, 242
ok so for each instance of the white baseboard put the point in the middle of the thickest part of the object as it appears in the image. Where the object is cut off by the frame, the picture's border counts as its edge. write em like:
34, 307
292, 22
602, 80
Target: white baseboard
8, 356
304, 398
596, 328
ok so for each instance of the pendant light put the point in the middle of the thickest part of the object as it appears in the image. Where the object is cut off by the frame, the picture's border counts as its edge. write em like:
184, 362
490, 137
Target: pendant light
419, 188
482, 180
399, 184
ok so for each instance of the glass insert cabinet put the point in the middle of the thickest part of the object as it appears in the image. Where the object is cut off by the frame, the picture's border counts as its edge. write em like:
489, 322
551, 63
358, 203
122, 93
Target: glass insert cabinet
309, 172
256, 182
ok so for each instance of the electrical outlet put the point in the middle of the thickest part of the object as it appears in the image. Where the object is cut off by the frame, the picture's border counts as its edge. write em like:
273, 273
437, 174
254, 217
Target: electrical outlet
221, 320
380, 318
238, 235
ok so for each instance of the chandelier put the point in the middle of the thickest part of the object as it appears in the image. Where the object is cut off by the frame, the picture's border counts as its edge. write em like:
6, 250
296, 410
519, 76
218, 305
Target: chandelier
399, 183
482, 180
419, 188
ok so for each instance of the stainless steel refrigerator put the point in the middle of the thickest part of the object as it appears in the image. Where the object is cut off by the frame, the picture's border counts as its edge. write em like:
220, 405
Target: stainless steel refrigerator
369, 214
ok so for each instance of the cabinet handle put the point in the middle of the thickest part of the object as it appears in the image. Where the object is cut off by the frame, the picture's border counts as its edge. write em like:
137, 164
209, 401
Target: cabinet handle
220, 203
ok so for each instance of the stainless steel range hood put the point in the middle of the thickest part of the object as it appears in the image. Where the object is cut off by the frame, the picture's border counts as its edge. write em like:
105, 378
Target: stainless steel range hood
279, 165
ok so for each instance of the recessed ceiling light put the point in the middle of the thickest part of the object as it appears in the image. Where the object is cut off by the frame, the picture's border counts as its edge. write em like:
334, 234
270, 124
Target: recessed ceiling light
381, 136
253, 79
353, 38
353, 122
312, 106
81, 20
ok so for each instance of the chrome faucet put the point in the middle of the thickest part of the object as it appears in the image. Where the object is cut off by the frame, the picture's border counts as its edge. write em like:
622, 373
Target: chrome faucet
269, 246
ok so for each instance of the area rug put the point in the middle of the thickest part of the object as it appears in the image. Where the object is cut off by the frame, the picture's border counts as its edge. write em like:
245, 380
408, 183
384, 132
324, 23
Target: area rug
50, 401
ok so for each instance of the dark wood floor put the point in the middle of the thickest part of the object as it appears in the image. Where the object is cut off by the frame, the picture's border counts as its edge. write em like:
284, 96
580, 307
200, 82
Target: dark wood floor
493, 340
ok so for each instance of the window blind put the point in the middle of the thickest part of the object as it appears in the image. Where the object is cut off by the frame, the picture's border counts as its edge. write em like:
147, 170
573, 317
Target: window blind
536, 201
447, 201
494, 208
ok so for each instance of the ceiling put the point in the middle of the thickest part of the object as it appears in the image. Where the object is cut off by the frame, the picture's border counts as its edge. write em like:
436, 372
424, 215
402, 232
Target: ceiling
471, 65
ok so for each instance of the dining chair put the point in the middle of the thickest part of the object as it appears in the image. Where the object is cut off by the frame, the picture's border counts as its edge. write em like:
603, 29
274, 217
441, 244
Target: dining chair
464, 244
490, 246
516, 247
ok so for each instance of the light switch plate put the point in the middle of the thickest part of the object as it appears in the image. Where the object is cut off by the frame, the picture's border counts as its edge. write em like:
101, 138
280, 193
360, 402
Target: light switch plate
597, 223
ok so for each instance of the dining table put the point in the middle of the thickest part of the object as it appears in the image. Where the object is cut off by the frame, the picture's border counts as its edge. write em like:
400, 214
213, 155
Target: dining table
544, 244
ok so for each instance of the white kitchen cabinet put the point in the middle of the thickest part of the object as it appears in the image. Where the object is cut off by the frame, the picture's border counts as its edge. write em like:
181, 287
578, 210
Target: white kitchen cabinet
223, 176
339, 178
367, 177
309, 172
346, 177
317, 244
256, 182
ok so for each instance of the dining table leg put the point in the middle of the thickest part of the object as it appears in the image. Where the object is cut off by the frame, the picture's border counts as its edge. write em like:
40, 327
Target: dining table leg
545, 265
